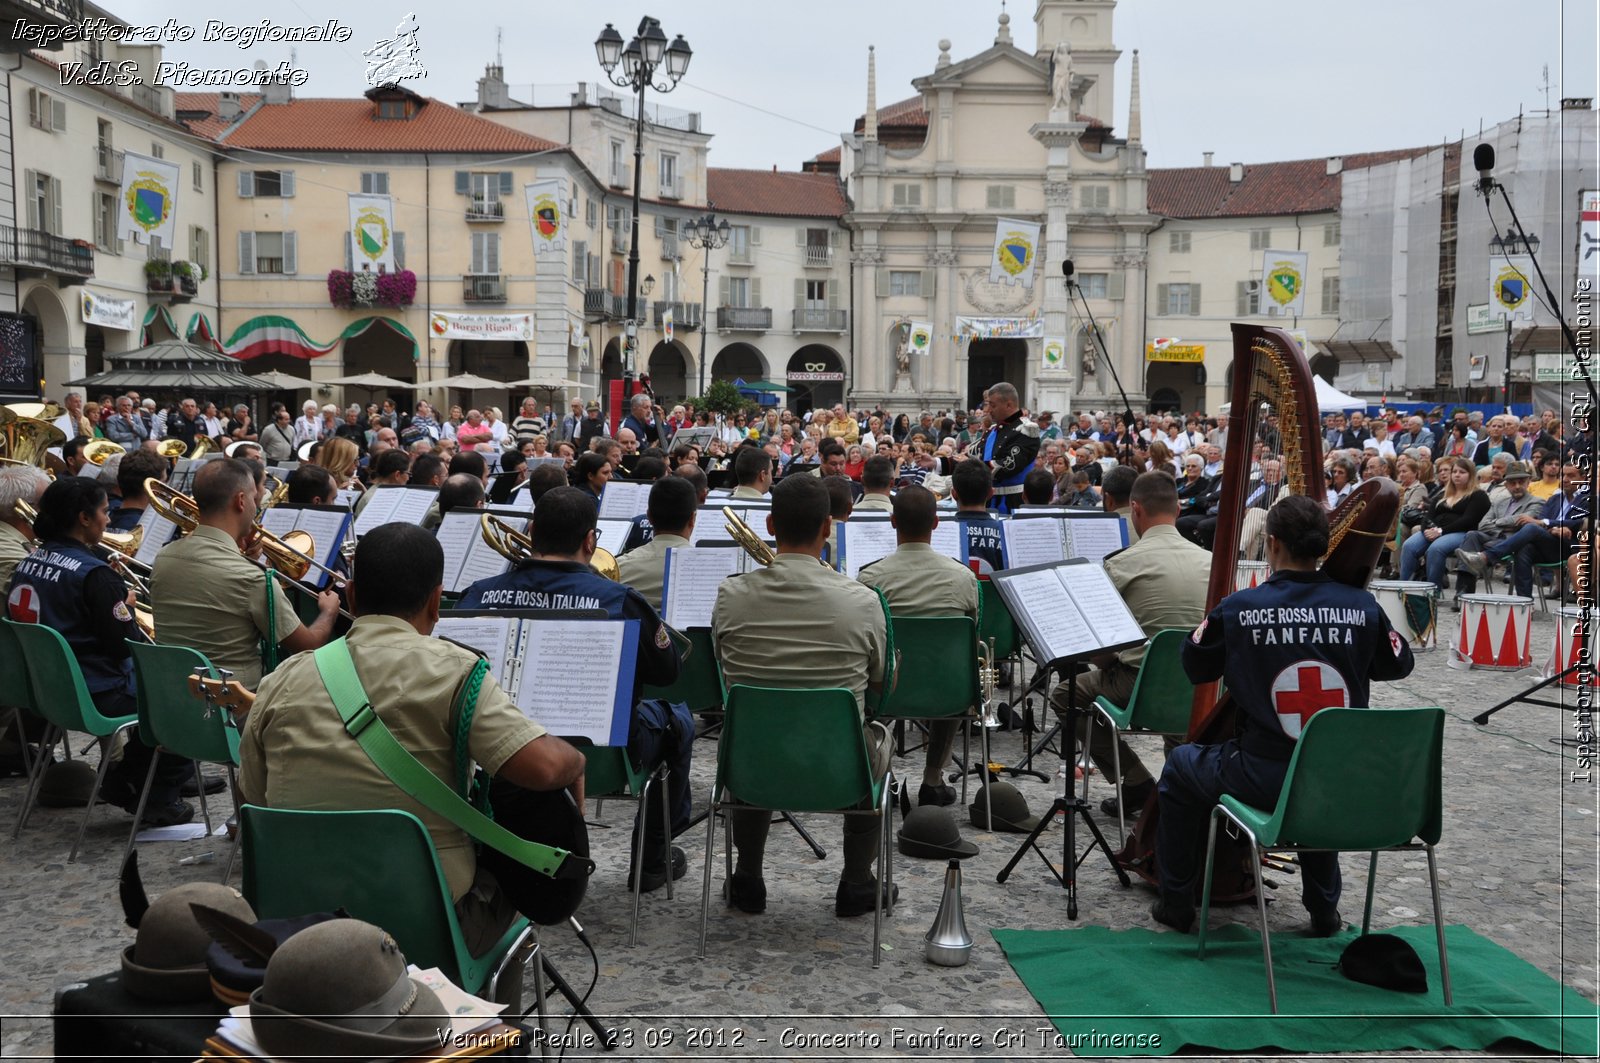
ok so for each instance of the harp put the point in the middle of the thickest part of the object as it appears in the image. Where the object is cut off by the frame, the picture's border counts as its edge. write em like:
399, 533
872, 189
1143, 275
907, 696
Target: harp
1271, 375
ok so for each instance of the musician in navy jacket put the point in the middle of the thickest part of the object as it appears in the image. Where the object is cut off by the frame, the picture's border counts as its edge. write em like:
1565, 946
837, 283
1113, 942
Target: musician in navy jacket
1298, 643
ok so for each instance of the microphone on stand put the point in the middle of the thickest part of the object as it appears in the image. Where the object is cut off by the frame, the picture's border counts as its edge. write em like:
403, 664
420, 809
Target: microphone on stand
1067, 271
1483, 161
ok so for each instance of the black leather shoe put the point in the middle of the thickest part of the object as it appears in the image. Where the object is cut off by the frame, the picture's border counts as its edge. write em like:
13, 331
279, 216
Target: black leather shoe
656, 876
748, 893
1325, 926
167, 815
936, 795
1176, 914
857, 898
1136, 799
215, 784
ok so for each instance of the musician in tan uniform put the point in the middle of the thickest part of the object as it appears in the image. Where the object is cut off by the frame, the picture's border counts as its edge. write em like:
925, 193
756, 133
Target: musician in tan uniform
671, 509
919, 582
1162, 578
801, 625
18, 483
877, 477
210, 597
752, 469
295, 752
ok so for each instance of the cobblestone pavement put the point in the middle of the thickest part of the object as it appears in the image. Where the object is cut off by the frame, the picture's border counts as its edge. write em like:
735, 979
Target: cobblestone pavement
1517, 863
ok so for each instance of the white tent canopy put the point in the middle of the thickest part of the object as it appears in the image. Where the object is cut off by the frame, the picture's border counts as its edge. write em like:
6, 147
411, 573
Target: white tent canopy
1331, 400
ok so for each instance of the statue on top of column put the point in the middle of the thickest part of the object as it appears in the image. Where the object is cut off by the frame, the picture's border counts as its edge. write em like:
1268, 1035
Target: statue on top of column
1061, 77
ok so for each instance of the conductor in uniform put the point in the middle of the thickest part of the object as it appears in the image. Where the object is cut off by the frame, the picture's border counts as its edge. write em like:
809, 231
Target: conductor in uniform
1009, 447
799, 624
559, 580
209, 596
918, 582
1280, 674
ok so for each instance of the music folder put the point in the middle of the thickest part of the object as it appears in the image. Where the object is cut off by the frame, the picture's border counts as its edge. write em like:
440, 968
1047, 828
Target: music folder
571, 673
467, 558
1068, 610
869, 537
693, 576
396, 504
1037, 537
328, 527
158, 532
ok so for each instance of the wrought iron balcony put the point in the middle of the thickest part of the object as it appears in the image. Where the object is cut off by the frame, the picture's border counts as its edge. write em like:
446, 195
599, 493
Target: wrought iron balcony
684, 315
744, 318
70, 260
479, 209
821, 320
483, 288
597, 302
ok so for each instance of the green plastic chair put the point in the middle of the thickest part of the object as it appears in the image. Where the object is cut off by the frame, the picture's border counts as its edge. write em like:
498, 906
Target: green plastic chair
938, 676
609, 772
766, 761
1160, 703
60, 696
995, 622
1360, 780
180, 724
380, 866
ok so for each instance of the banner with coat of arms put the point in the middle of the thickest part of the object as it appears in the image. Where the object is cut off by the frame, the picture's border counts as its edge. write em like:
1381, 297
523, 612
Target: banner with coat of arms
1283, 282
919, 337
547, 214
371, 234
1511, 287
1016, 246
148, 201
1055, 353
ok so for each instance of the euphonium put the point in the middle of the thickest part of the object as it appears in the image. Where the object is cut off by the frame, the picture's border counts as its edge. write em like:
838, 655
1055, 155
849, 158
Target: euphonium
172, 449
516, 546
29, 439
202, 446
99, 451
740, 533
125, 543
171, 503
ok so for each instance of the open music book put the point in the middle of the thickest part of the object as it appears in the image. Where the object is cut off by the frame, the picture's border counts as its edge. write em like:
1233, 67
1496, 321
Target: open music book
396, 504
158, 532
534, 661
870, 537
692, 578
467, 558
1068, 610
1046, 537
328, 527
709, 523
613, 534
624, 499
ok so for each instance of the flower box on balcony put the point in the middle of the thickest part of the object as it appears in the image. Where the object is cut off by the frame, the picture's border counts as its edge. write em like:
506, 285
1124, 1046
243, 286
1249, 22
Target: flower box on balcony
348, 290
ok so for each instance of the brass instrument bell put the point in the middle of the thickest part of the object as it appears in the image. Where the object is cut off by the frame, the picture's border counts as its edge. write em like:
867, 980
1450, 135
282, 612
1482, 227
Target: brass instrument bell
99, 451
517, 546
172, 449
740, 533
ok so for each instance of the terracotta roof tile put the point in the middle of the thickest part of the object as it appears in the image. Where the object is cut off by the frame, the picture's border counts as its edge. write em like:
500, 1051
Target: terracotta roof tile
353, 125
807, 195
211, 126
1303, 186
908, 113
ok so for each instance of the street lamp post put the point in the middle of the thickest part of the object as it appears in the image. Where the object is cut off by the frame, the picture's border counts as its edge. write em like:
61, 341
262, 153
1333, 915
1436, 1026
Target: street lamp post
639, 62
708, 234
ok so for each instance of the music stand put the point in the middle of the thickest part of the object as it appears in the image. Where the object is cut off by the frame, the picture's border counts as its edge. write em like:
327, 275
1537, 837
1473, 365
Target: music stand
1068, 611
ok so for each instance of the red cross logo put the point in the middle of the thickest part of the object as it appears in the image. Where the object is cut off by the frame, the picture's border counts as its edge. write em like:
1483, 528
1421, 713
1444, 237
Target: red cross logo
1304, 688
24, 604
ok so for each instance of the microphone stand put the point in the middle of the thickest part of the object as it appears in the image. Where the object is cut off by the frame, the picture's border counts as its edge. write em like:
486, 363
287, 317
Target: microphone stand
1486, 187
1105, 356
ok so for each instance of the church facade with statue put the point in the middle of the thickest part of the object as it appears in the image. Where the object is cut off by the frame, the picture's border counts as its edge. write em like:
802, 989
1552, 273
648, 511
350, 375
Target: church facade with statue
965, 201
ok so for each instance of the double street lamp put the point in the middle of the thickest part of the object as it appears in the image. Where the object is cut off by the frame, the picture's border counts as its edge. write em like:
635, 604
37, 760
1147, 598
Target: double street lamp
635, 67
707, 234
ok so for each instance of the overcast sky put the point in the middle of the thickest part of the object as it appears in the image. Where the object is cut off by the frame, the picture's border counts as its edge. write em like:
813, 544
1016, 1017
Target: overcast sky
778, 83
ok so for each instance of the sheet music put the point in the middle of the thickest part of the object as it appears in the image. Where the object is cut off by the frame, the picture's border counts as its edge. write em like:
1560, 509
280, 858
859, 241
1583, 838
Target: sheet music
613, 534
380, 509
1096, 596
279, 520
521, 500
623, 500
157, 533
326, 527
1050, 611
861, 542
709, 523
1093, 537
347, 497
455, 535
482, 561
1032, 542
413, 505
693, 578
950, 539
493, 636
568, 700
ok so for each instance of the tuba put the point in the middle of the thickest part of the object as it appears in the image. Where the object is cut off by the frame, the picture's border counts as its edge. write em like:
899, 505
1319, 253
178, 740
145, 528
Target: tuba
740, 533
27, 440
517, 546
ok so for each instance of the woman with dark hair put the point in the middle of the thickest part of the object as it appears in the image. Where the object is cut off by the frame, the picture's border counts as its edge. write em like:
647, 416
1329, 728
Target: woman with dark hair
1453, 514
67, 586
591, 473
901, 428
1265, 665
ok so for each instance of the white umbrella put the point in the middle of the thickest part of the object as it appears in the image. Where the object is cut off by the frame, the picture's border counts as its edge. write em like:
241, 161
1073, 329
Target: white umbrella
372, 381
549, 383
467, 381
285, 381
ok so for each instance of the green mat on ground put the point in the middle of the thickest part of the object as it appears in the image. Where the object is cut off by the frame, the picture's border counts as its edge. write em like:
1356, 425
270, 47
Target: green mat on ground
1096, 984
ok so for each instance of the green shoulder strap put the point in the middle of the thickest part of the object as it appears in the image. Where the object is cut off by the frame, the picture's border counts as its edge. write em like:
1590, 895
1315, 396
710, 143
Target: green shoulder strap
338, 673
269, 641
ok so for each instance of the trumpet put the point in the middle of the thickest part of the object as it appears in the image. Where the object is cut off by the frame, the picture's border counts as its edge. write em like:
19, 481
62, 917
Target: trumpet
988, 679
740, 533
516, 546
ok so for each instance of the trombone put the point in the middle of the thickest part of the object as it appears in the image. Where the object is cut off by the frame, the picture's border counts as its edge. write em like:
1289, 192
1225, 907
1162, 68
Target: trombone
516, 546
